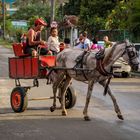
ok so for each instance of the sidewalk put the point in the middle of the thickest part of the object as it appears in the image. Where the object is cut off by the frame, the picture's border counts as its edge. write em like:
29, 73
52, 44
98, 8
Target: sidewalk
5, 43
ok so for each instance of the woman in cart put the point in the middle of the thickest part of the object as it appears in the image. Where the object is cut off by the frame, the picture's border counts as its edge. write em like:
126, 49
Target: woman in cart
34, 41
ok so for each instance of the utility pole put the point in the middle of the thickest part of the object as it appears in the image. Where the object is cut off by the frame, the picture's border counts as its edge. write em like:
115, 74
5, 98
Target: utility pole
3, 9
52, 10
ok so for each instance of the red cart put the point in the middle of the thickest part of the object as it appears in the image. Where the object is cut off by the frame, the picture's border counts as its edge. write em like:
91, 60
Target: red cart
23, 66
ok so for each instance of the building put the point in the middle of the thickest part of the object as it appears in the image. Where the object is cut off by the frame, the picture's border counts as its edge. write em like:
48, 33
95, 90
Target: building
69, 28
9, 4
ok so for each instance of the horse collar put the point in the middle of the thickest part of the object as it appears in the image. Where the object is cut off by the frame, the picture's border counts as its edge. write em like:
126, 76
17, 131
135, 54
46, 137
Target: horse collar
101, 69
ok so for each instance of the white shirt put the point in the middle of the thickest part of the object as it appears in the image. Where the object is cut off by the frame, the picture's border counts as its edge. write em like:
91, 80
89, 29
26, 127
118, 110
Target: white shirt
53, 44
87, 43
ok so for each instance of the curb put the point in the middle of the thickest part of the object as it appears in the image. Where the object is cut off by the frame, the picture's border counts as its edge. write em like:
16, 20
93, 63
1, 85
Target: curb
135, 74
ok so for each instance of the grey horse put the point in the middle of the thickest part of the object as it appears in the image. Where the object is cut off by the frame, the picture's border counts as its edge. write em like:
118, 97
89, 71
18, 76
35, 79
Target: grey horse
92, 71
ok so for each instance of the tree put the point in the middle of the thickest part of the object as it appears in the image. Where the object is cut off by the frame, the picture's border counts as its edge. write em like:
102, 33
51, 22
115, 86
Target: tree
93, 14
25, 13
72, 7
118, 18
134, 22
21, 3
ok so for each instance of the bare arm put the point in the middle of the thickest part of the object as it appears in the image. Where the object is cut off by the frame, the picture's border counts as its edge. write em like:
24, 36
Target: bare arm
31, 35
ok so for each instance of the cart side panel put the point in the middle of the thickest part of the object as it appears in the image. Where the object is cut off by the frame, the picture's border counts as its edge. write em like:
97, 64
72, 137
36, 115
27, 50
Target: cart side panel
35, 67
27, 68
48, 61
23, 67
20, 67
12, 68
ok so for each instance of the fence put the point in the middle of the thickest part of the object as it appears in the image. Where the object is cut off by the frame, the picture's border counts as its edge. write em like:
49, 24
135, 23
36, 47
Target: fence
114, 35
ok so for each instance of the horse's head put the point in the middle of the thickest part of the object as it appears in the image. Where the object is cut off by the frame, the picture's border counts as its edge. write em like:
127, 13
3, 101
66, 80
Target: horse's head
131, 55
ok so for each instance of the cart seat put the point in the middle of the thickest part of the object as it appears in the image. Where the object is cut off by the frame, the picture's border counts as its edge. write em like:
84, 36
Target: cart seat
47, 61
18, 50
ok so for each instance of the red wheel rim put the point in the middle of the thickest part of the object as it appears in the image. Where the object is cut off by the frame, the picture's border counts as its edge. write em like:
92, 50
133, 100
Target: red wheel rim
16, 99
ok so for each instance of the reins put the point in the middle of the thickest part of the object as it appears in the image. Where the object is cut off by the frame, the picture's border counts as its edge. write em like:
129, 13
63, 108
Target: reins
101, 62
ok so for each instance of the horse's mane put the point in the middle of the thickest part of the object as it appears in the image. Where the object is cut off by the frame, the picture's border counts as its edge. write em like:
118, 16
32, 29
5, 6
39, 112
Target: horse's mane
111, 52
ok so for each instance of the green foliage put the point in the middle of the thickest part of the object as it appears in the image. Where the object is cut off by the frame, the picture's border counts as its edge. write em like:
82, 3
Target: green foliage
21, 3
72, 8
118, 18
18, 33
31, 20
25, 13
134, 18
93, 14
13, 32
9, 27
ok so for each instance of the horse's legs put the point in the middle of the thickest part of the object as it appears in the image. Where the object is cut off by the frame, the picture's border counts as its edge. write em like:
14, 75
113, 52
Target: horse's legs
64, 89
56, 83
116, 106
89, 92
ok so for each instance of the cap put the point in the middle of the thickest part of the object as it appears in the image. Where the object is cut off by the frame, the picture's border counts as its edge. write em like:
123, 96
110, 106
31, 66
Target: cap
40, 21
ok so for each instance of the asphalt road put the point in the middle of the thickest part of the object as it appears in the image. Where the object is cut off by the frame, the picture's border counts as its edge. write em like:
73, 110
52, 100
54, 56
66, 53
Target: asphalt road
37, 122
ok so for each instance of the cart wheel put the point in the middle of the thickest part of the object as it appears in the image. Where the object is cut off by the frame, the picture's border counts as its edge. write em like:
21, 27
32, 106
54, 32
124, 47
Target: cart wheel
19, 99
70, 97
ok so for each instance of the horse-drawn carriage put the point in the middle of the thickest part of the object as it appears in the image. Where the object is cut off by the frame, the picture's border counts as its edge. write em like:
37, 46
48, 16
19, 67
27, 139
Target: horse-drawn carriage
94, 67
23, 66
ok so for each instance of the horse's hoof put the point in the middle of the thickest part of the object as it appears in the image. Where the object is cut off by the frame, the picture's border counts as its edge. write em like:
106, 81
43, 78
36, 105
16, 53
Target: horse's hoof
64, 113
120, 117
87, 118
52, 108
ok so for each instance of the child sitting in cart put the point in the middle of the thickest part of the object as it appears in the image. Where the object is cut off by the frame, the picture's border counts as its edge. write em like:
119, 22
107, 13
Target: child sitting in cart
65, 44
34, 42
53, 41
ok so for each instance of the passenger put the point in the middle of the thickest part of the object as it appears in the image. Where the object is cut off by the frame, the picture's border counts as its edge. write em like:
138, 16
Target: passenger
80, 42
67, 42
107, 43
62, 46
53, 41
87, 42
94, 45
34, 39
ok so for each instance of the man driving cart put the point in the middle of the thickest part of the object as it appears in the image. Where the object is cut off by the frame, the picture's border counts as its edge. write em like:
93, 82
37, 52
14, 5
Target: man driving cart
34, 41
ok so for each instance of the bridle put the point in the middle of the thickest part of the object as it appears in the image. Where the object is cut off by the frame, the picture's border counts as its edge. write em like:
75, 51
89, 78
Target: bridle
129, 50
100, 66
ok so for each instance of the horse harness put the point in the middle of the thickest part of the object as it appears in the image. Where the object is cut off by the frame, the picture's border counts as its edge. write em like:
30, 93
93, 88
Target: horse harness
100, 64
80, 61
100, 68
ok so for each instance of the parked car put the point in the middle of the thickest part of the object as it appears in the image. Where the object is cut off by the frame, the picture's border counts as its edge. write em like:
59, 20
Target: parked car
122, 69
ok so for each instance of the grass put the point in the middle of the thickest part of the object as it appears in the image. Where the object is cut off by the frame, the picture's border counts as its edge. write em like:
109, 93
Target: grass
5, 43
